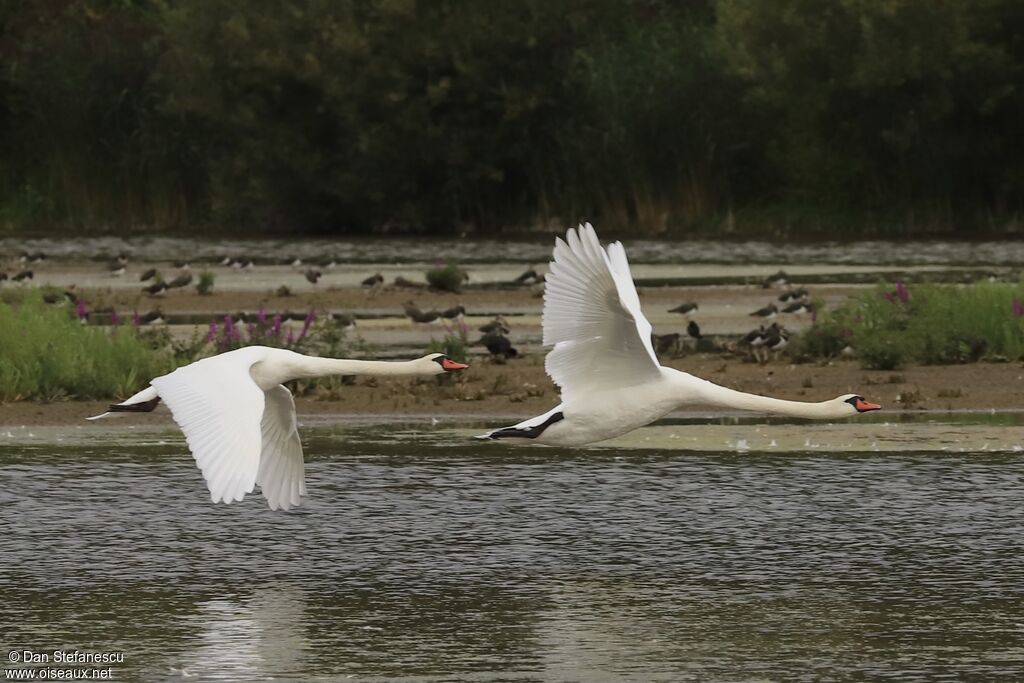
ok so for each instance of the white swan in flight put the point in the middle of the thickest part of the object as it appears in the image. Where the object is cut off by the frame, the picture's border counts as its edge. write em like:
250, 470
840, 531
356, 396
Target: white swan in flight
603, 362
239, 419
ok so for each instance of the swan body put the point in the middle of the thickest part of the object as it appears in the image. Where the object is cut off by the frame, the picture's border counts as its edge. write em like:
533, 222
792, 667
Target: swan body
604, 363
239, 419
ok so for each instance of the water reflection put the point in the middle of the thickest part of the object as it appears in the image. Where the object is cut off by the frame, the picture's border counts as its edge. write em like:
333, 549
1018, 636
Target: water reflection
262, 635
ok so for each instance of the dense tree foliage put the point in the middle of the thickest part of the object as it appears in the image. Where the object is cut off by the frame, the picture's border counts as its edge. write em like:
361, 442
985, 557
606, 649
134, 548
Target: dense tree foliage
440, 115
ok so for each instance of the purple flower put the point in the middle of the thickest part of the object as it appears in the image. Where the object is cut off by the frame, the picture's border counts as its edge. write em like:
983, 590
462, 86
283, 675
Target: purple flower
889, 296
251, 329
114, 319
291, 337
276, 328
81, 310
136, 319
1018, 308
211, 334
261, 316
310, 317
902, 292
230, 331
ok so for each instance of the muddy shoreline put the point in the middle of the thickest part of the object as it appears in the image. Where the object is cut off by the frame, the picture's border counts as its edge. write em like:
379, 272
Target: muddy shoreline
522, 389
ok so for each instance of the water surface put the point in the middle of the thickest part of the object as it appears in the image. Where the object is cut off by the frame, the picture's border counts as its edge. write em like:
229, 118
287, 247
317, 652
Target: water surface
854, 551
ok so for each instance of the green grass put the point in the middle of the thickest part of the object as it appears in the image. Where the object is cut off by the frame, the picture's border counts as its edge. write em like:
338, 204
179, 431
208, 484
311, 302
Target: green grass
447, 278
45, 353
205, 284
928, 324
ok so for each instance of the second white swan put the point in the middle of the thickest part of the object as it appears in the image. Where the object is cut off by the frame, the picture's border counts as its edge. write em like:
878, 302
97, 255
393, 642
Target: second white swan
239, 419
602, 359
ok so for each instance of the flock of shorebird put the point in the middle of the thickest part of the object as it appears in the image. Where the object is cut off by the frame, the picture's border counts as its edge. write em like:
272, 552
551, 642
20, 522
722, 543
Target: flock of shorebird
760, 341
770, 337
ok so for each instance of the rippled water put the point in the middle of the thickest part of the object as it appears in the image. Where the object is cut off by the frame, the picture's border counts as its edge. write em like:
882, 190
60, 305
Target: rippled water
534, 250
422, 556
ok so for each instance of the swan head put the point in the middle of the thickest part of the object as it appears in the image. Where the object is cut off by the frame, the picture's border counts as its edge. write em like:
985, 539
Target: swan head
854, 404
438, 364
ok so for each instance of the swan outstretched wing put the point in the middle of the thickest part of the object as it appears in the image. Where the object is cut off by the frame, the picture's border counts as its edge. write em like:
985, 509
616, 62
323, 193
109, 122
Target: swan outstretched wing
592, 317
281, 474
219, 409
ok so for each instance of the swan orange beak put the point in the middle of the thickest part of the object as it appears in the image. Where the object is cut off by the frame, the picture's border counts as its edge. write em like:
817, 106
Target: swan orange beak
450, 365
863, 406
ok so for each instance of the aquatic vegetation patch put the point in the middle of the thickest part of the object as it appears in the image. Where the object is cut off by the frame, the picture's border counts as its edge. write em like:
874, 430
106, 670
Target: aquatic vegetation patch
47, 353
446, 277
894, 325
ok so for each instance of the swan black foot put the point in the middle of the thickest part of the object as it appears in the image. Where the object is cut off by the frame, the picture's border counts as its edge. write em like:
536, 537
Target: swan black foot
527, 432
144, 407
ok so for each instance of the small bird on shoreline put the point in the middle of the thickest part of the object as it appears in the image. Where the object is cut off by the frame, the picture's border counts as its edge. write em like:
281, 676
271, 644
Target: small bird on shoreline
418, 316
776, 339
156, 288
798, 294
754, 339
154, 317
346, 321
183, 280
766, 313
148, 275
663, 343
498, 345
453, 312
65, 297
528, 277
798, 308
313, 276
375, 280
35, 257
779, 279
496, 325
23, 275
685, 308
328, 263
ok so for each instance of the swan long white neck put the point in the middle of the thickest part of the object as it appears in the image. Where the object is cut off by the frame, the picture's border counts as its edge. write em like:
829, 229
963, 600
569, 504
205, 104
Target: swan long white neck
311, 366
283, 366
708, 393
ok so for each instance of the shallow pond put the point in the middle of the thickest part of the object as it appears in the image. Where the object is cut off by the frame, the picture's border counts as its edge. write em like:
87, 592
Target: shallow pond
704, 549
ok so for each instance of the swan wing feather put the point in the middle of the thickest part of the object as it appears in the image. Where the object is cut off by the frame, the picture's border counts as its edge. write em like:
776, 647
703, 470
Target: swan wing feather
593, 319
219, 408
281, 476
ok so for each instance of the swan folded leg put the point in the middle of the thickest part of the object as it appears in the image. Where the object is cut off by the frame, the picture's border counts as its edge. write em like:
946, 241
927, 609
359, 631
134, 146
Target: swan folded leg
527, 429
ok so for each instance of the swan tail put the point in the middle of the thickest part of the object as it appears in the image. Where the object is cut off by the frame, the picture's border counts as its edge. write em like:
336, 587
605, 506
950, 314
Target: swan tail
143, 402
